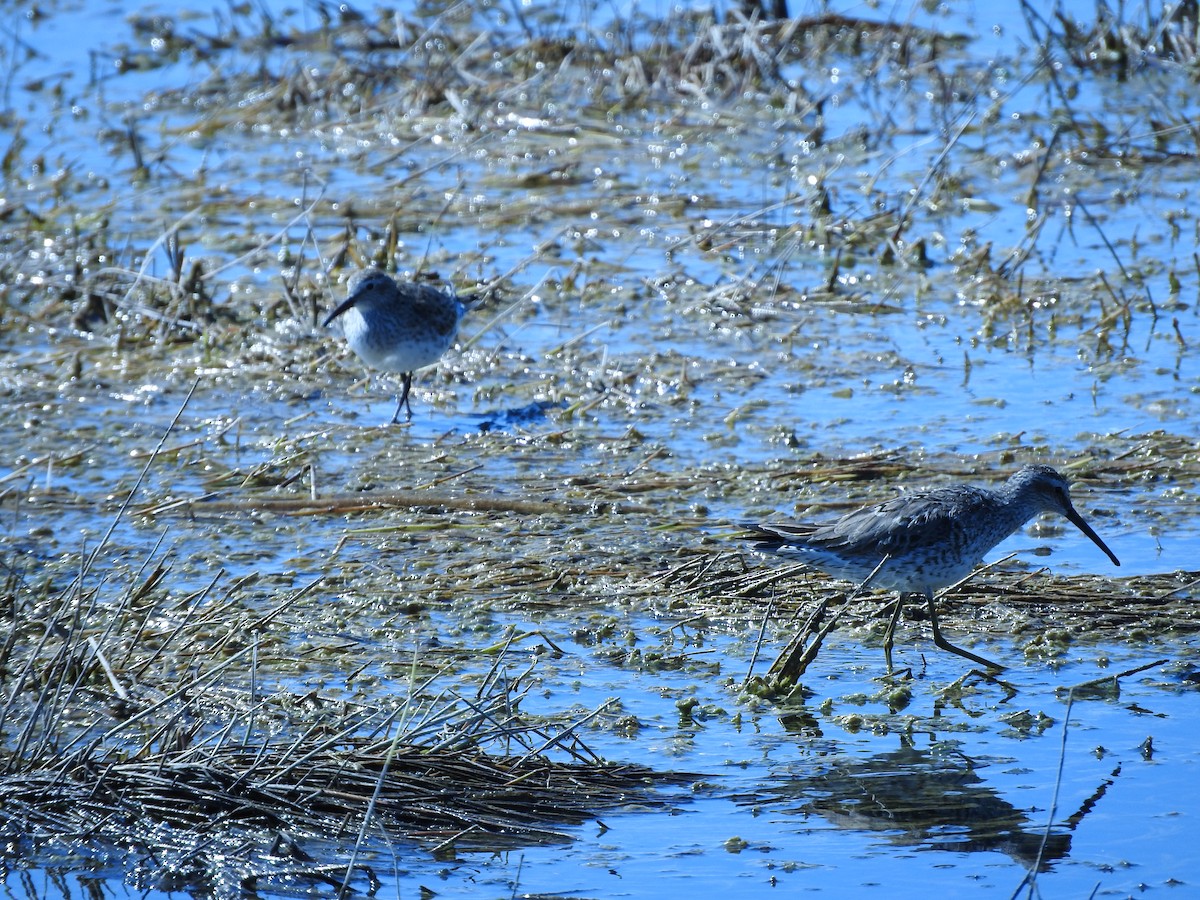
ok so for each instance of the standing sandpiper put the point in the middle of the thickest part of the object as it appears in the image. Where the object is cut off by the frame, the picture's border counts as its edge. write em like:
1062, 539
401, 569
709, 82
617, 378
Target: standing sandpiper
924, 540
397, 327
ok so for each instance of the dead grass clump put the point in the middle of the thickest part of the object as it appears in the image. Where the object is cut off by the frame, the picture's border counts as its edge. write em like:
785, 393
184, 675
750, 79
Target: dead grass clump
133, 718
311, 809
1117, 40
321, 789
116, 738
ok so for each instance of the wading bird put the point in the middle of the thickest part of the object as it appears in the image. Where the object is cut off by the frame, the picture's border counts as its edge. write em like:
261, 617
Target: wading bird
397, 327
924, 540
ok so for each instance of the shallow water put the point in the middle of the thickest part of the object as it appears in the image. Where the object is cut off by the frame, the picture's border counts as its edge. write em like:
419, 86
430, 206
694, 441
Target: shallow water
829, 796
689, 359
901, 826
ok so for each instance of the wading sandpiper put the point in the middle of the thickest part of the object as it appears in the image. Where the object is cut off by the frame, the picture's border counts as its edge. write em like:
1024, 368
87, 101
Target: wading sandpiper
397, 327
924, 540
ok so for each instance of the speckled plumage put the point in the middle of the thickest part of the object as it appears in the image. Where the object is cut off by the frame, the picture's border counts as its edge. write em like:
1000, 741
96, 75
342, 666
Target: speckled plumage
397, 327
924, 540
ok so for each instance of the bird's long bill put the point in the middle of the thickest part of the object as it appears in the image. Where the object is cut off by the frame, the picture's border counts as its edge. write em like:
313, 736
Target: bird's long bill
341, 308
1083, 526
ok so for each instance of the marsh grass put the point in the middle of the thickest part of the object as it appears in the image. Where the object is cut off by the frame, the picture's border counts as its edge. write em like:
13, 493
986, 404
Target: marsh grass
136, 723
136, 717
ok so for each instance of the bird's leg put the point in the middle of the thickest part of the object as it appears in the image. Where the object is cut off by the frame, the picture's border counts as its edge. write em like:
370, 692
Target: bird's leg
940, 641
889, 635
402, 403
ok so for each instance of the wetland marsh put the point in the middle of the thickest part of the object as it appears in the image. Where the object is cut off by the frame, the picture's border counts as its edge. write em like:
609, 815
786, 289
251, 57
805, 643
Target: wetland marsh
259, 641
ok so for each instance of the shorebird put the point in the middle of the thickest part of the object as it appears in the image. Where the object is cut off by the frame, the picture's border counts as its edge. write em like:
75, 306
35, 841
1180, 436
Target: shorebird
924, 540
397, 327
